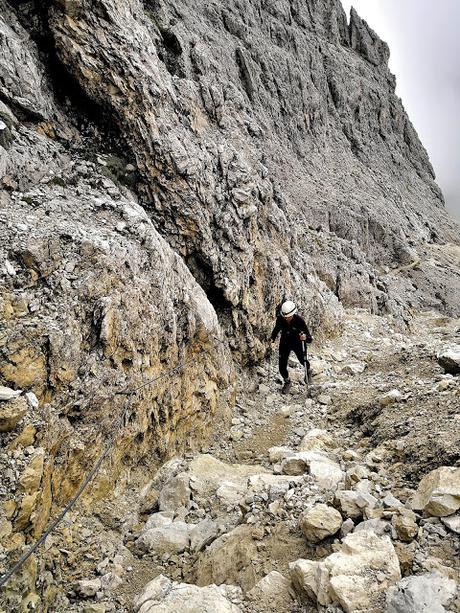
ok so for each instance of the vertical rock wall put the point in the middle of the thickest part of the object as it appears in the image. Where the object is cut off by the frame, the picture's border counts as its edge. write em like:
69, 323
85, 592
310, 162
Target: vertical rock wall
261, 130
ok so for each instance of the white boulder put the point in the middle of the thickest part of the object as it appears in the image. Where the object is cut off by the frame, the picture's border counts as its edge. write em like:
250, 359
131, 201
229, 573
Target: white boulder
438, 492
166, 540
320, 522
390, 398
356, 577
165, 596
325, 470
6, 393
317, 439
449, 359
427, 593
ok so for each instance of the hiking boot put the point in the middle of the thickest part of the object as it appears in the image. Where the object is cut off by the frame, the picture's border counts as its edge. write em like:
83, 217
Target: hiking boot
286, 387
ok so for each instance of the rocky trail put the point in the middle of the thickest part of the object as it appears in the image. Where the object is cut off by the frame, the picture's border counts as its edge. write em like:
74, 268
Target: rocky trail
303, 502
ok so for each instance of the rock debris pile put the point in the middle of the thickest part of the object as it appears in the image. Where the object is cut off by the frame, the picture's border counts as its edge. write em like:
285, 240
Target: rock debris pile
317, 517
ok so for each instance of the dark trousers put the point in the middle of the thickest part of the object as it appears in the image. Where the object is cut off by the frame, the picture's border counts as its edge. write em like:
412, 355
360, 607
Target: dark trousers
285, 350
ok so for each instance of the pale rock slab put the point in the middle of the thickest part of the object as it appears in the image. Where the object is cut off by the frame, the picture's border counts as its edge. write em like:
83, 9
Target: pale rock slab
230, 558
317, 439
357, 473
166, 540
326, 471
449, 359
95, 608
347, 527
272, 593
208, 474
427, 593
159, 520
276, 454
405, 524
32, 476
390, 398
391, 502
88, 587
356, 577
377, 526
347, 501
229, 492
320, 522
327, 474
148, 499
165, 596
203, 533
275, 485
452, 522
354, 368
32, 400
6, 393
438, 492
175, 494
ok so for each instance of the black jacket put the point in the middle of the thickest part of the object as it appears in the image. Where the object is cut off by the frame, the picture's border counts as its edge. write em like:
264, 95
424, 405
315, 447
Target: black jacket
290, 331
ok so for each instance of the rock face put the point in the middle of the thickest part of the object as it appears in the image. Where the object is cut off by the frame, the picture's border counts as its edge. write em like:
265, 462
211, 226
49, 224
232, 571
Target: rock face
252, 169
247, 132
166, 540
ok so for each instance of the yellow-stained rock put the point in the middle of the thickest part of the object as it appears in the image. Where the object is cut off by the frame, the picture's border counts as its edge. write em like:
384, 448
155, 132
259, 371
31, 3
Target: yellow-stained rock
32, 476
11, 413
320, 522
433, 564
25, 368
27, 506
30, 602
6, 528
41, 518
67, 536
11, 306
406, 555
15, 541
26, 438
9, 507
405, 525
149, 499
6, 308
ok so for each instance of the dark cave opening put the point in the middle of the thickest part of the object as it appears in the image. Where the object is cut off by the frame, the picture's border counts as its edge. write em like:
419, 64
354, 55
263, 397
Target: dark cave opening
204, 276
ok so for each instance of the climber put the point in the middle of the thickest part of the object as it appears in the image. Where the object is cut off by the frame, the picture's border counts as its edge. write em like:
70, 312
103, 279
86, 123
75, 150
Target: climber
294, 335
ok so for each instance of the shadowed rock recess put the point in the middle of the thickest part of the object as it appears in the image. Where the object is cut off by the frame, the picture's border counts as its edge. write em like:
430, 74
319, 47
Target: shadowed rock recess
169, 171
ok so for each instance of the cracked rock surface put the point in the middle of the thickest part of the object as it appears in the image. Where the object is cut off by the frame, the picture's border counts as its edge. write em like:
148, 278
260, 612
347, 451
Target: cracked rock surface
168, 172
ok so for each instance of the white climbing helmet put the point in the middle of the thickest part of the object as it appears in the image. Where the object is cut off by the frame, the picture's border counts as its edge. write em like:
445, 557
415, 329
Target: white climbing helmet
288, 308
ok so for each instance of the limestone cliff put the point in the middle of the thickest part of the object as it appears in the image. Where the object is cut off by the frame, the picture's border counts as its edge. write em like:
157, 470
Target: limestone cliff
168, 172
274, 155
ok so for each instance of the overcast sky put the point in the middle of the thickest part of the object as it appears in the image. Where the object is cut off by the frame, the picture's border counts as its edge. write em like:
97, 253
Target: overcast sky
424, 40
